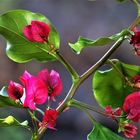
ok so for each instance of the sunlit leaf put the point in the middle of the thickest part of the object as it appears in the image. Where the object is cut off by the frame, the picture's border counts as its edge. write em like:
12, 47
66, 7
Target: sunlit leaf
20, 49
110, 88
100, 132
84, 42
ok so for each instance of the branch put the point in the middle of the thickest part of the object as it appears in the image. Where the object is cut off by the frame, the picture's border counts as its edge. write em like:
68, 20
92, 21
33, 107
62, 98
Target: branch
102, 60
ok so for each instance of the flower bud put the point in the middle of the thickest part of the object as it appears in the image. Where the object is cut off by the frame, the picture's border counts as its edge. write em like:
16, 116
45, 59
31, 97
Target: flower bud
136, 81
118, 111
15, 90
135, 39
130, 130
49, 119
37, 32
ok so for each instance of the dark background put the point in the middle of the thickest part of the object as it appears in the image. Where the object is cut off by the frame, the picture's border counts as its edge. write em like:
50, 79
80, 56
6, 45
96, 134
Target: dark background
72, 18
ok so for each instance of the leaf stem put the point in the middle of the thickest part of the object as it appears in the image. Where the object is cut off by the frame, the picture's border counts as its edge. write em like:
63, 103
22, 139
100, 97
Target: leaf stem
83, 107
78, 81
71, 70
60, 58
40, 111
33, 116
102, 60
90, 116
89, 72
35, 132
76, 103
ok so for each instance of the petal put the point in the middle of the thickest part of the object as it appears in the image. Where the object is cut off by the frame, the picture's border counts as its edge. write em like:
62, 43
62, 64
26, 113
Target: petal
15, 90
26, 75
130, 130
41, 91
36, 35
42, 27
49, 118
29, 103
55, 83
44, 75
36, 92
54, 78
52, 81
135, 29
108, 109
28, 32
132, 106
40, 31
117, 111
134, 115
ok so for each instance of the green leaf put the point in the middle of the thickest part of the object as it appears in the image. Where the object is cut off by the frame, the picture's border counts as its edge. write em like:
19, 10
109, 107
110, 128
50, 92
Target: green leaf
110, 88
84, 42
6, 101
20, 49
100, 132
11, 121
14, 133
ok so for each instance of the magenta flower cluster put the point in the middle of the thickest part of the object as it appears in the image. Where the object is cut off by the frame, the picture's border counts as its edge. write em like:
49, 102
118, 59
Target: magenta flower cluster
37, 89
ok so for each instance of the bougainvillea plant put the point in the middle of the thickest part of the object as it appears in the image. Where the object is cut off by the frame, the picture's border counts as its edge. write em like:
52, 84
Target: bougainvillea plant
117, 90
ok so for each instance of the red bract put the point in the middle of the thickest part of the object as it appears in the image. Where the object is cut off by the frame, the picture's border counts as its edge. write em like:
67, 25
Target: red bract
111, 113
136, 81
53, 82
37, 32
108, 110
36, 90
135, 40
49, 119
15, 90
132, 106
130, 130
118, 111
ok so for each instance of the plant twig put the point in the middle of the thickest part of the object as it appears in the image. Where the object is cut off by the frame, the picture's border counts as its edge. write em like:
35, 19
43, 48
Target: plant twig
102, 60
77, 81
40, 111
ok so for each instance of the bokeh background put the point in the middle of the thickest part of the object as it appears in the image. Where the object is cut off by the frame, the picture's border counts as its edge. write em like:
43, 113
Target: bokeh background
72, 18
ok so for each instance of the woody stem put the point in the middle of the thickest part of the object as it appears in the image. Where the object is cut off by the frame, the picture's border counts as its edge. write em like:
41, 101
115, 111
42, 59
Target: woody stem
78, 81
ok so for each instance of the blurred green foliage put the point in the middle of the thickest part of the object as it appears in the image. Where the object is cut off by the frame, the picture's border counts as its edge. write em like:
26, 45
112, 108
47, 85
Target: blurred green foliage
14, 133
